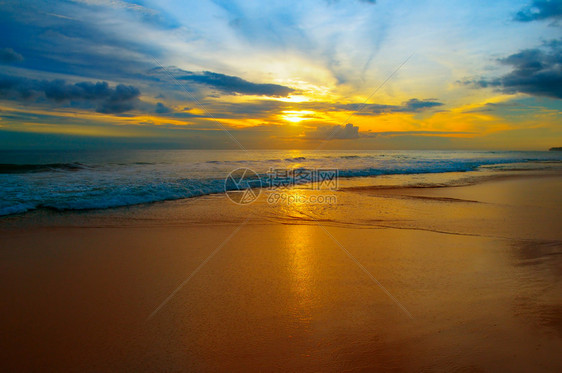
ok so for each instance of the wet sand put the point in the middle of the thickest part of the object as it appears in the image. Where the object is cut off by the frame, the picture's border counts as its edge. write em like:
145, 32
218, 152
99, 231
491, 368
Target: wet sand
458, 278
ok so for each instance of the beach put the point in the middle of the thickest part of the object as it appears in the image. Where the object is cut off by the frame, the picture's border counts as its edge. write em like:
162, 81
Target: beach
416, 276
280, 186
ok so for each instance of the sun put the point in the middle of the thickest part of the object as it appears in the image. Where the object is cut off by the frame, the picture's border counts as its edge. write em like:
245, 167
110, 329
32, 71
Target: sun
297, 116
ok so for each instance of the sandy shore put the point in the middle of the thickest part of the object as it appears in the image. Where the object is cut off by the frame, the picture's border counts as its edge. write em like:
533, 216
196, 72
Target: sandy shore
458, 278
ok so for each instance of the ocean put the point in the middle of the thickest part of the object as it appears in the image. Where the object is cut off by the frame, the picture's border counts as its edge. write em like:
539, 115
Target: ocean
72, 180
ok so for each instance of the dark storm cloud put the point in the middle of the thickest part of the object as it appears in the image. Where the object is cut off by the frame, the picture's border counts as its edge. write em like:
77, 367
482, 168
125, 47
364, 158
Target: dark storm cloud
8, 55
537, 72
540, 10
234, 85
105, 99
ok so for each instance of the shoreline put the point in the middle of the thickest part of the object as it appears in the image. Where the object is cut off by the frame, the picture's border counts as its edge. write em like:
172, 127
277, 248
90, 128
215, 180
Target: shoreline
63, 187
380, 184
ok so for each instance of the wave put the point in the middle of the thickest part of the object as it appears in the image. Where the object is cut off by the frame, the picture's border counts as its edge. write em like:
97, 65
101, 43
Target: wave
247, 161
111, 188
298, 159
295, 159
115, 196
10, 168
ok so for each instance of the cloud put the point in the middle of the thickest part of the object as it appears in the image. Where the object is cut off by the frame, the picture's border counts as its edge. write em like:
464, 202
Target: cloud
413, 105
123, 98
480, 83
413, 133
7, 55
162, 109
540, 10
107, 100
234, 85
535, 72
82, 38
349, 131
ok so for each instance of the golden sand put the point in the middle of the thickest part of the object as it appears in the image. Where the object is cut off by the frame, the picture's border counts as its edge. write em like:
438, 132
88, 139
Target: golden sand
463, 278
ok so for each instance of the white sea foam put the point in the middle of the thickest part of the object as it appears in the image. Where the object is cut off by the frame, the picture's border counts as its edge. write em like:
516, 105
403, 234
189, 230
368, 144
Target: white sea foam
99, 181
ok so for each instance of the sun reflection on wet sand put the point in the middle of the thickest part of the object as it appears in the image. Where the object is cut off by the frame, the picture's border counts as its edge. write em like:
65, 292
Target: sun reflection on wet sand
301, 269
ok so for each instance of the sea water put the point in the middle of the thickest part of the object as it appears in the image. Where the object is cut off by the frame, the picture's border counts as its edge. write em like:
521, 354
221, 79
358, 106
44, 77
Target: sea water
71, 180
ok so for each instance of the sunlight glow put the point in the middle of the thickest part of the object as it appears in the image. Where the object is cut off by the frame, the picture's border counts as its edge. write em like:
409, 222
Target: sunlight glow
294, 99
297, 116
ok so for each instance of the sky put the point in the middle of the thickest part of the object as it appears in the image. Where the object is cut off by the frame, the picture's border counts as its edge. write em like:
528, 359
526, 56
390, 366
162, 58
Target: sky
318, 74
